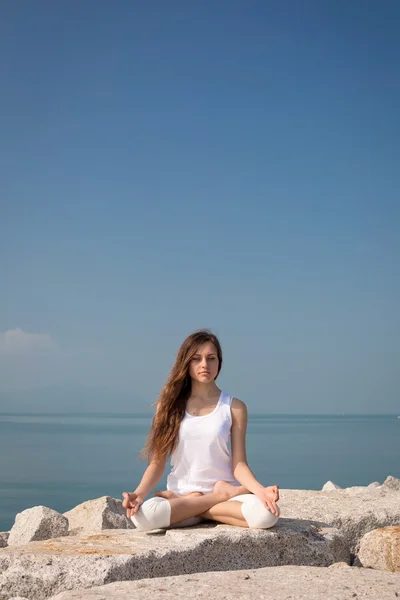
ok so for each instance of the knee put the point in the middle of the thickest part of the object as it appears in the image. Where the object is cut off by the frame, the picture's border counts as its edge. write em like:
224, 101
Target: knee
259, 517
155, 513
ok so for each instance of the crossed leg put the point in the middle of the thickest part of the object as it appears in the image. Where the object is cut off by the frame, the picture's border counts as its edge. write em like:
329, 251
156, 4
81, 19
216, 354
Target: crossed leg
229, 513
225, 504
221, 511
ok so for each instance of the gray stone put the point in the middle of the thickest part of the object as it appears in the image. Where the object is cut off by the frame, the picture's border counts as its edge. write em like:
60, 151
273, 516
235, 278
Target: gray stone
96, 515
40, 569
4, 535
37, 523
392, 483
329, 486
277, 583
380, 549
352, 513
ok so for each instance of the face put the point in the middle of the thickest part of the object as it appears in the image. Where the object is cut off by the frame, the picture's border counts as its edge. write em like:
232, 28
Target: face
204, 365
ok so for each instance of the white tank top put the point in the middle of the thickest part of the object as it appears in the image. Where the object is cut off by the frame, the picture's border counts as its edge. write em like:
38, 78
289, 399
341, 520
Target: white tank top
202, 456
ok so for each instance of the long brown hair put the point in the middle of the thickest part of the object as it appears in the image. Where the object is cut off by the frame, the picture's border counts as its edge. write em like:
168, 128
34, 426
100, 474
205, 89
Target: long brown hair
163, 436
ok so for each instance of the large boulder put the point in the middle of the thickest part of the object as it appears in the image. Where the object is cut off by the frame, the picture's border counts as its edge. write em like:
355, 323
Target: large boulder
279, 583
380, 549
4, 535
96, 515
41, 569
353, 511
37, 523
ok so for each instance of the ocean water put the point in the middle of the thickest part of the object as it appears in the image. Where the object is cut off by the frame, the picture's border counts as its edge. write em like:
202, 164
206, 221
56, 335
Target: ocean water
62, 460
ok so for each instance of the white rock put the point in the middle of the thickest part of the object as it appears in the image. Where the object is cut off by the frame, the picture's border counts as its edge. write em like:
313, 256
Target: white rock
37, 523
356, 489
392, 483
4, 535
352, 513
375, 484
272, 583
96, 515
41, 569
330, 486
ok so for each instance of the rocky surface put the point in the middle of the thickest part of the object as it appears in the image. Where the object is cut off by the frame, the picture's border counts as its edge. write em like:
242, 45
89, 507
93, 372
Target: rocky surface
392, 483
4, 535
380, 549
99, 514
37, 523
355, 511
316, 529
83, 561
273, 583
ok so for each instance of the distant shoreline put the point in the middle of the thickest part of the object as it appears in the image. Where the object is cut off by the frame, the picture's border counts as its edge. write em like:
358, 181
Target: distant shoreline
150, 414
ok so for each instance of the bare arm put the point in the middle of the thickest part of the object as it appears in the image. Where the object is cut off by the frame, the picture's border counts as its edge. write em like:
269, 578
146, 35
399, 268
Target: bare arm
152, 474
241, 470
151, 477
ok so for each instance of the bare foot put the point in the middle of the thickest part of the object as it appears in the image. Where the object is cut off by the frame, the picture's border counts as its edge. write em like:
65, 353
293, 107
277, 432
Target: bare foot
169, 495
166, 494
227, 490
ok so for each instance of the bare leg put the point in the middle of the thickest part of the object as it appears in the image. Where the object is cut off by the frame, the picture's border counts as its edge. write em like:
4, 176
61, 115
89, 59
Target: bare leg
226, 512
235, 491
169, 495
184, 507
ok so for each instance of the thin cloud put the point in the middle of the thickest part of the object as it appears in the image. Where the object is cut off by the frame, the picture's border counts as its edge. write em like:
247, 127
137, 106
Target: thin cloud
16, 341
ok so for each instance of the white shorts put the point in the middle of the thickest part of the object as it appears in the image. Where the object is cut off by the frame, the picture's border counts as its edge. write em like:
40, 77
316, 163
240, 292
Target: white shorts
155, 513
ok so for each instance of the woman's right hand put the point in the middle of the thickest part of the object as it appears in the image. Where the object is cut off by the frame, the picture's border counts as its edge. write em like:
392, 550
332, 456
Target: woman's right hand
131, 503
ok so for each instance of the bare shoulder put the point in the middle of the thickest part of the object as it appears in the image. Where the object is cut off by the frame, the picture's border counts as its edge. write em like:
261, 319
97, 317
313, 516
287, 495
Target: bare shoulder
238, 407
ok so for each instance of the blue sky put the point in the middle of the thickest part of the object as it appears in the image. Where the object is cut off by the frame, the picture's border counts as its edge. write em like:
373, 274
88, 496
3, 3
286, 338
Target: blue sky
170, 166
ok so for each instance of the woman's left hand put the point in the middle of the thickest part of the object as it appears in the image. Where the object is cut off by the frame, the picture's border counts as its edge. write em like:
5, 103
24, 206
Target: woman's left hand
269, 496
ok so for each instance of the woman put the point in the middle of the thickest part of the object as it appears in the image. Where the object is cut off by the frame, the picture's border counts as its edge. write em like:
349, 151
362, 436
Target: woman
192, 425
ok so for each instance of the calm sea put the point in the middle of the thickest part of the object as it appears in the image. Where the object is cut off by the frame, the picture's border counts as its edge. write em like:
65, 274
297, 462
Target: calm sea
62, 460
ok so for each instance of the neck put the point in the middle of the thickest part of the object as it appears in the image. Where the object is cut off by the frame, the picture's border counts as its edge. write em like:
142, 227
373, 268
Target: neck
204, 391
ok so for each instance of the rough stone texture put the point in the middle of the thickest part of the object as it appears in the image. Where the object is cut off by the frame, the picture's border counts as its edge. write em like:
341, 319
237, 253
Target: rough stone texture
330, 486
4, 535
338, 565
37, 523
40, 569
19, 598
273, 583
392, 483
354, 511
306, 534
96, 515
380, 549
